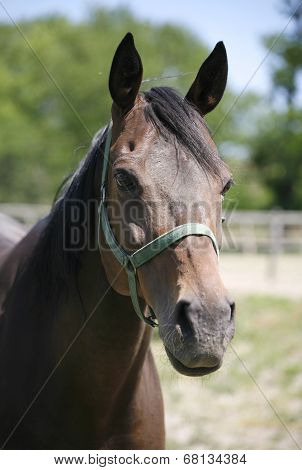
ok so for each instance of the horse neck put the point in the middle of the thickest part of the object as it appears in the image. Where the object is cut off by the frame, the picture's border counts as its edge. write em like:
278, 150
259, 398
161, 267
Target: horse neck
94, 345
97, 326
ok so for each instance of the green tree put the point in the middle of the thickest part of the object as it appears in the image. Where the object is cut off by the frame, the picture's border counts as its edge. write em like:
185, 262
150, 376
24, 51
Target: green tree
277, 152
287, 51
276, 147
63, 67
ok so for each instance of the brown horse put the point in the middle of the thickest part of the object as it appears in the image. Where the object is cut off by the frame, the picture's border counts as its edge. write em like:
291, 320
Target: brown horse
76, 368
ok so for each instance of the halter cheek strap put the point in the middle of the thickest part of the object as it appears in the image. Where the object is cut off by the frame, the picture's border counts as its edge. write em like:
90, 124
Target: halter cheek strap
131, 262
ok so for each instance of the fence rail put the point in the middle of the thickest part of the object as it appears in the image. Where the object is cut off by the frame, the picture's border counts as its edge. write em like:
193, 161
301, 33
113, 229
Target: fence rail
27, 214
263, 231
245, 231
271, 232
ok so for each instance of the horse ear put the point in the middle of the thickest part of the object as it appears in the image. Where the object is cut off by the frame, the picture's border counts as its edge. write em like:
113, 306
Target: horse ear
209, 85
125, 74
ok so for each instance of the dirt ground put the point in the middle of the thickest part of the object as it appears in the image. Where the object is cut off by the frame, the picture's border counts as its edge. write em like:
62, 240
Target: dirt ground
279, 276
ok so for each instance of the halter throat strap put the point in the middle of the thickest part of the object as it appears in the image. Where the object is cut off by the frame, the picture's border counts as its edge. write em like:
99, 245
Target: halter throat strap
132, 261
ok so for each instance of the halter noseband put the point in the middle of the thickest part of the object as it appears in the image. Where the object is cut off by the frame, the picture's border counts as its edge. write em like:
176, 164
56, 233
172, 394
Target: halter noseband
131, 262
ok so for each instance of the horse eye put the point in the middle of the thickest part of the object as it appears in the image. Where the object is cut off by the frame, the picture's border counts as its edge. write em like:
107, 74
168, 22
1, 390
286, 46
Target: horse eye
125, 181
229, 184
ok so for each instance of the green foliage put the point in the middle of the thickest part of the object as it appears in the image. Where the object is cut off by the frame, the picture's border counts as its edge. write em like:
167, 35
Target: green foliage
277, 152
54, 93
276, 146
248, 192
287, 51
54, 96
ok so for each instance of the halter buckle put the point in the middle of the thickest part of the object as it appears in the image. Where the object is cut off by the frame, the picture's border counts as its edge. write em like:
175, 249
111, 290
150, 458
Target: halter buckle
150, 319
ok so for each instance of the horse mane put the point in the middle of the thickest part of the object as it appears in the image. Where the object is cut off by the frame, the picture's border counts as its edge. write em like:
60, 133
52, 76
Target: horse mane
174, 116
50, 267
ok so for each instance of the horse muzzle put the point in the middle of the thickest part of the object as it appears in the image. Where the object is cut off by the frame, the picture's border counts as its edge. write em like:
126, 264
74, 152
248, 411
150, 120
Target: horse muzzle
197, 336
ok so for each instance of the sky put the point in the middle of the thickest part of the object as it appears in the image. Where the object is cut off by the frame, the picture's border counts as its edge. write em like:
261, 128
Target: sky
239, 23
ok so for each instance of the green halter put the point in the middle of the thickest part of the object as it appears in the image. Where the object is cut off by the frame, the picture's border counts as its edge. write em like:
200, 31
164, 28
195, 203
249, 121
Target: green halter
135, 260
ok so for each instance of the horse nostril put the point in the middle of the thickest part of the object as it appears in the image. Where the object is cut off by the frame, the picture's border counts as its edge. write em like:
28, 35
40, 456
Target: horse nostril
182, 317
232, 307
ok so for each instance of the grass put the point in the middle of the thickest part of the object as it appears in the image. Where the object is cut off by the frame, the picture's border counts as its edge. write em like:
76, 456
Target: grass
226, 410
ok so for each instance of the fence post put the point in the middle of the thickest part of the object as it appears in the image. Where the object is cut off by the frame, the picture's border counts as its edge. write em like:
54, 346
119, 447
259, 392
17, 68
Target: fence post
276, 228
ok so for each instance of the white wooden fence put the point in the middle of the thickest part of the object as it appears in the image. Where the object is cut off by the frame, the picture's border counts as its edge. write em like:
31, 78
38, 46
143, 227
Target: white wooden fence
244, 231
263, 231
